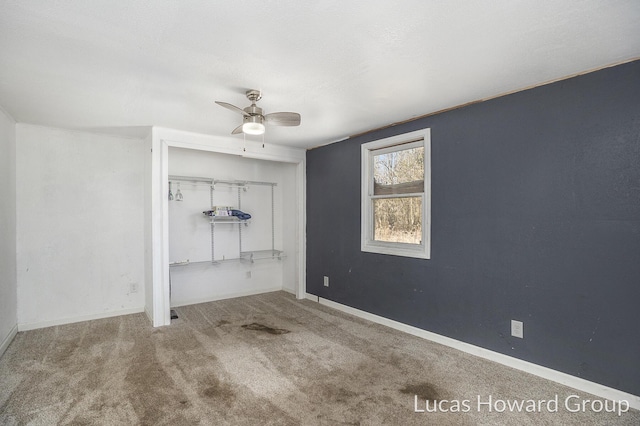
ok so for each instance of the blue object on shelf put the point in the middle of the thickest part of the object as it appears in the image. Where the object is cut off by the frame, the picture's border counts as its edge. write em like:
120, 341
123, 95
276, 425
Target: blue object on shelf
240, 215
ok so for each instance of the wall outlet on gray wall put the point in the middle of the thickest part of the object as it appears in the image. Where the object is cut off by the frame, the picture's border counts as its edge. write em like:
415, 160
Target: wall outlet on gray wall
326, 281
517, 329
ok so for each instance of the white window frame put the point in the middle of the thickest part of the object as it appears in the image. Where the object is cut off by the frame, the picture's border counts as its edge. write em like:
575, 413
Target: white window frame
368, 150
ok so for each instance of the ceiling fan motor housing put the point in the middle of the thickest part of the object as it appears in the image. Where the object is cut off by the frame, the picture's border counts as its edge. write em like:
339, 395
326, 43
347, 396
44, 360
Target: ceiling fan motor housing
258, 118
253, 110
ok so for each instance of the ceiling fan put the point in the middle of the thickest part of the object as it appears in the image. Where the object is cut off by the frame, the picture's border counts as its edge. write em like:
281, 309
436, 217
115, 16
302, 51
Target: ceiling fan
253, 119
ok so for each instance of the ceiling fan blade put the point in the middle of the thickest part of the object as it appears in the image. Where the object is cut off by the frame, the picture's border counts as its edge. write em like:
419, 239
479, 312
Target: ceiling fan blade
232, 107
283, 118
237, 130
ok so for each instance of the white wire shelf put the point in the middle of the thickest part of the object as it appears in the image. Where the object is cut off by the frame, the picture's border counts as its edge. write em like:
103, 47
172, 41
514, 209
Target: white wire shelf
227, 219
245, 257
251, 256
242, 187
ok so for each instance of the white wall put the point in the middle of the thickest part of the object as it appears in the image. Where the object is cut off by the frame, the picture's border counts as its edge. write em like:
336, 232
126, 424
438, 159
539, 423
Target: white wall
190, 232
290, 186
8, 280
148, 225
80, 225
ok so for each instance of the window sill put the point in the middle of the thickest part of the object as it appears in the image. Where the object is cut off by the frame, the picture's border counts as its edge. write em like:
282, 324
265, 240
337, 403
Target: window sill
417, 252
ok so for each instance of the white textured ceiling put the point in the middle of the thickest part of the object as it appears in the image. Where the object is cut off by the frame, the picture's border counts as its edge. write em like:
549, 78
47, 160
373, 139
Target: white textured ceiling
345, 66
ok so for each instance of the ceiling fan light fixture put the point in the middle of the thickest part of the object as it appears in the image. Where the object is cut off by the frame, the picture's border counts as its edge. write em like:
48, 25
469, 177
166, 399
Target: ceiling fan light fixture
253, 128
253, 125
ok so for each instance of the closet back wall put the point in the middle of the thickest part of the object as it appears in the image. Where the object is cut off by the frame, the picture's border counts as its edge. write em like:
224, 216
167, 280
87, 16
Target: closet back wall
190, 232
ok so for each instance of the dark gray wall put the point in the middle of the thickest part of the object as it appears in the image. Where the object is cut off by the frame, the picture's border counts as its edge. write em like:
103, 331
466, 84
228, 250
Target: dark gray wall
535, 217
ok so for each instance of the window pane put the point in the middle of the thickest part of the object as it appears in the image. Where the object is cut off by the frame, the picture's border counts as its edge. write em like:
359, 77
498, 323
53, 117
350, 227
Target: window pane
398, 220
399, 172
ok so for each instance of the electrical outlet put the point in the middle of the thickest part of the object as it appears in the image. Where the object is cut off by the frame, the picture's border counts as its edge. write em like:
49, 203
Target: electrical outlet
326, 281
248, 275
517, 329
133, 288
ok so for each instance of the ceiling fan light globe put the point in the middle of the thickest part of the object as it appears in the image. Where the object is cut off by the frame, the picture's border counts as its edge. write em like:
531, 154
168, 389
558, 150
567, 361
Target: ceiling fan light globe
253, 128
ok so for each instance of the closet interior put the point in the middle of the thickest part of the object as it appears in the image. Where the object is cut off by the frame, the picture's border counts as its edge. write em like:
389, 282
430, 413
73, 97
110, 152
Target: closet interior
227, 216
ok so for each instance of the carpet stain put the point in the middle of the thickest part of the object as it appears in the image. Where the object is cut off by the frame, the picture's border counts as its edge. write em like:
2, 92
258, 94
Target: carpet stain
266, 329
62, 353
341, 394
211, 387
424, 391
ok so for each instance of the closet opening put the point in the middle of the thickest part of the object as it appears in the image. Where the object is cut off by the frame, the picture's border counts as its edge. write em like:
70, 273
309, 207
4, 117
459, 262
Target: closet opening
226, 217
259, 247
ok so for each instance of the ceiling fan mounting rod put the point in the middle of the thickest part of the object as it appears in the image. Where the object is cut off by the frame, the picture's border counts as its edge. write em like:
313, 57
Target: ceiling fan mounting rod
253, 110
254, 96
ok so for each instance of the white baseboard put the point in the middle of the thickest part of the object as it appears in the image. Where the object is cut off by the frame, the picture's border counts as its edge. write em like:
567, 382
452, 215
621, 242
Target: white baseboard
80, 318
7, 340
288, 290
148, 314
312, 297
225, 296
537, 370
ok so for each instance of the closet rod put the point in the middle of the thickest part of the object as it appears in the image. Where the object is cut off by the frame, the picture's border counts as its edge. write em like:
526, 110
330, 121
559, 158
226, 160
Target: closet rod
244, 182
192, 179
222, 181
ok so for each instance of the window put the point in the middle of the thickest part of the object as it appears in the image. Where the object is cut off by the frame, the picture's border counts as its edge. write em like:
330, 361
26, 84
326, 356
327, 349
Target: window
396, 184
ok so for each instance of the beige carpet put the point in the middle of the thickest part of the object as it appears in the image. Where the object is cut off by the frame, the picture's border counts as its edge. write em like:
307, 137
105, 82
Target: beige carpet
265, 360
